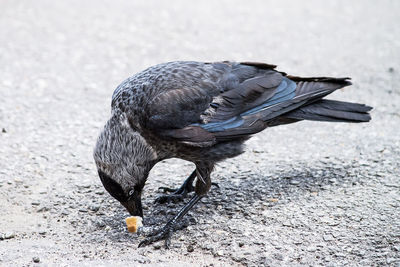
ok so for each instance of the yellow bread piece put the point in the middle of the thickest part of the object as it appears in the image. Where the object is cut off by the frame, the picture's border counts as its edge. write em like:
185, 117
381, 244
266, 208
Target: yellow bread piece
133, 223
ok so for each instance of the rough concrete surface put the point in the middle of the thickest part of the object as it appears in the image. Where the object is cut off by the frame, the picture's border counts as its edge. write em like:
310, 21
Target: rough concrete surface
303, 194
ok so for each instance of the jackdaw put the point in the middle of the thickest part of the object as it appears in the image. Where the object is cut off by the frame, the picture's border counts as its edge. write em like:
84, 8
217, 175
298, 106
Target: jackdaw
203, 113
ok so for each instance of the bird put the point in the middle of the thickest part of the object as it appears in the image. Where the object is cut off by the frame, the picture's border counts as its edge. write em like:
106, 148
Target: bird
202, 112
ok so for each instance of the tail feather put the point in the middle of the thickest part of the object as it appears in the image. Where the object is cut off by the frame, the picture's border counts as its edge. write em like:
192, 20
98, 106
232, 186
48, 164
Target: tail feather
332, 110
306, 104
309, 85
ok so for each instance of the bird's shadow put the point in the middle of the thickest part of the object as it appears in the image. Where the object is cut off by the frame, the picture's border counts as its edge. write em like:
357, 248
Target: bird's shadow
280, 187
236, 194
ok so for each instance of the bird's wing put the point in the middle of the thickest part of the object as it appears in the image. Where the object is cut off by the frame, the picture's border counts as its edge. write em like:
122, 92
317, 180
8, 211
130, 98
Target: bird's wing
181, 112
241, 102
171, 113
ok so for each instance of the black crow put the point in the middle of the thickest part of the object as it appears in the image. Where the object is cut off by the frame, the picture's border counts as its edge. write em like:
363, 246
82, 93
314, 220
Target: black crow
203, 113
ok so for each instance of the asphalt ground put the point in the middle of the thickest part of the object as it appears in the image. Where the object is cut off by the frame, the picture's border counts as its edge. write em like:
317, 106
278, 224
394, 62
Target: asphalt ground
304, 194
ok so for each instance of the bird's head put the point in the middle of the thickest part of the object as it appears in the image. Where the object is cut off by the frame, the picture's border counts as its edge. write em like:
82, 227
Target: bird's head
124, 160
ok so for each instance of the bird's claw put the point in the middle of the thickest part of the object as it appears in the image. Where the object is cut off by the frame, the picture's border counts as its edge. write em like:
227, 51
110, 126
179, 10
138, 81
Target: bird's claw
163, 233
169, 198
177, 195
167, 189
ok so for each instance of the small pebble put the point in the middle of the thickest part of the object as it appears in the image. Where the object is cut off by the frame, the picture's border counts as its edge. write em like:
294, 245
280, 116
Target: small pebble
65, 212
43, 208
94, 208
311, 249
100, 223
190, 248
36, 259
9, 235
220, 253
391, 260
325, 187
327, 237
278, 256
360, 253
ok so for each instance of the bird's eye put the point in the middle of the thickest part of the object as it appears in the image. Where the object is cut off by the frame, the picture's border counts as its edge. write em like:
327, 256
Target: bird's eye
131, 192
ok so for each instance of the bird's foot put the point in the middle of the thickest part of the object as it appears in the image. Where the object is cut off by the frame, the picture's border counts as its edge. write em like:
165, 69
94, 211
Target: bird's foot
164, 233
169, 198
171, 226
176, 190
177, 195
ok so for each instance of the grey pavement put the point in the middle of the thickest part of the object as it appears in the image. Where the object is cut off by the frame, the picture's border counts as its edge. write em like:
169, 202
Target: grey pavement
304, 194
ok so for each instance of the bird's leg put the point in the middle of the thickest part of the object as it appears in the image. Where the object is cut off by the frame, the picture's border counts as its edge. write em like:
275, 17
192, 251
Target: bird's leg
180, 193
203, 184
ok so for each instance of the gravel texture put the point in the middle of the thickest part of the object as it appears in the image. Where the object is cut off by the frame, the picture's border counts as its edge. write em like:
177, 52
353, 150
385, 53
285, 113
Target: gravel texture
303, 194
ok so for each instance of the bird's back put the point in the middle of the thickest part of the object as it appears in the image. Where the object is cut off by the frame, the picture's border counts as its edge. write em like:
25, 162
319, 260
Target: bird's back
202, 105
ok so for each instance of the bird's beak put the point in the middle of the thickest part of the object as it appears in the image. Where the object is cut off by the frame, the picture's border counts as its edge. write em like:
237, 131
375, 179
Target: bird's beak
134, 206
